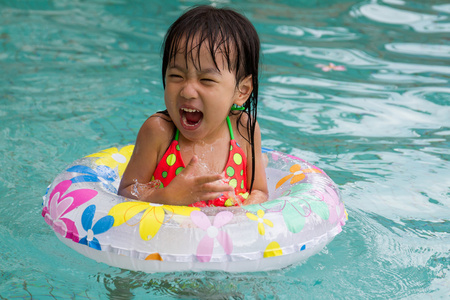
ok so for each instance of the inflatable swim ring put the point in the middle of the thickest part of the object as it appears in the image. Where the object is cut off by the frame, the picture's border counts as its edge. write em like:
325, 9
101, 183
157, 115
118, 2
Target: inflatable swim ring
303, 215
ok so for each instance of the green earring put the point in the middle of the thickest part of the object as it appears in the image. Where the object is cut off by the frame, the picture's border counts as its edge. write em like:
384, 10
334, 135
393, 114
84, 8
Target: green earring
237, 107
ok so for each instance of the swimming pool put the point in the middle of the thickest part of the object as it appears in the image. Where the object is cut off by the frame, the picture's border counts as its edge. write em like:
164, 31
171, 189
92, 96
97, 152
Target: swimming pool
359, 88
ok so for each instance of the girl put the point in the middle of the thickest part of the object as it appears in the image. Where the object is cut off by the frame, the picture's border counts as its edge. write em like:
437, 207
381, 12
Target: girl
210, 79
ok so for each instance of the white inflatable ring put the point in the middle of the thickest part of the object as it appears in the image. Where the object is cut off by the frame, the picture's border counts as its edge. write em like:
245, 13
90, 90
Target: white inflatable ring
303, 215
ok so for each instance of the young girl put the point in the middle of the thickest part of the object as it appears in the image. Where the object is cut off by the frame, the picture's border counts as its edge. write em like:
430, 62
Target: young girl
210, 78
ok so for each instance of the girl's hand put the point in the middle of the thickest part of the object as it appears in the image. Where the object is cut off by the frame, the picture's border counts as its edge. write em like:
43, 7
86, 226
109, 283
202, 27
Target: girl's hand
189, 187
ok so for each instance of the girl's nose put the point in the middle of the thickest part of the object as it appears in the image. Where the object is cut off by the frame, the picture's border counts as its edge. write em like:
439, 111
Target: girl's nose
189, 90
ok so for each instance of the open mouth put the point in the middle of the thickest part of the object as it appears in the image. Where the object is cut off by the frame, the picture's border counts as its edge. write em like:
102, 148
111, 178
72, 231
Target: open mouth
190, 117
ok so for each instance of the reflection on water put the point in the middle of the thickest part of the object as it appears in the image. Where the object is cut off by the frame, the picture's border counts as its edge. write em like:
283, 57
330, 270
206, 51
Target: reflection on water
359, 88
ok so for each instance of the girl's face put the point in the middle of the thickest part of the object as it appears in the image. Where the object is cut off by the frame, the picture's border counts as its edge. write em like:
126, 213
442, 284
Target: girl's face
199, 99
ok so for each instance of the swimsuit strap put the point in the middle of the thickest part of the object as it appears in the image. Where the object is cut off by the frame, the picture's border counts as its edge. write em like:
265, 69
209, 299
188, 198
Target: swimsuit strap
177, 134
230, 128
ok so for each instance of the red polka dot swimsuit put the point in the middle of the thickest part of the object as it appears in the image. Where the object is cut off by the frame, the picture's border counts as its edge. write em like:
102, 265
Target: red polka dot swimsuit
235, 173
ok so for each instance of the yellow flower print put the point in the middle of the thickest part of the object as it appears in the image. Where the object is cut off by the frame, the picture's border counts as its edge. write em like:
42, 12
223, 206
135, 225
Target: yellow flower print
297, 174
261, 221
152, 218
113, 157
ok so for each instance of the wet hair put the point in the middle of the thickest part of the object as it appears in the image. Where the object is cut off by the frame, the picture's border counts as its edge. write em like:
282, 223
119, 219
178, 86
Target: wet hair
224, 31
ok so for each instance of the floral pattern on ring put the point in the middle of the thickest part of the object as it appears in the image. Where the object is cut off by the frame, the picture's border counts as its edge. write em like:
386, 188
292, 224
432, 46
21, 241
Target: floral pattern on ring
152, 218
114, 158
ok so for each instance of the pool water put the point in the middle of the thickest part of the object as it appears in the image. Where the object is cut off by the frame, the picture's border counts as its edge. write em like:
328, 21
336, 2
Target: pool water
359, 88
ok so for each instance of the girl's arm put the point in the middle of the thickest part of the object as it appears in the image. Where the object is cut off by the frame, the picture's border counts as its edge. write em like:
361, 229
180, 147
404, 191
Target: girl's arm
259, 193
153, 135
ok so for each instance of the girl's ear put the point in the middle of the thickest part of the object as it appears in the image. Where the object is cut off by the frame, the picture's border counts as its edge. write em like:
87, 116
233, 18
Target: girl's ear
245, 88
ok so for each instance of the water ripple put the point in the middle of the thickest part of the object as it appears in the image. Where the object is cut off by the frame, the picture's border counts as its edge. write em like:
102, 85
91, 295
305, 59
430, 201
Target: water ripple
439, 51
323, 34
353, 58
420, 22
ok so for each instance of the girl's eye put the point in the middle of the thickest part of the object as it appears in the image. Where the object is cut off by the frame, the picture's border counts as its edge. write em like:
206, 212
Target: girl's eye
208, 80
175, 77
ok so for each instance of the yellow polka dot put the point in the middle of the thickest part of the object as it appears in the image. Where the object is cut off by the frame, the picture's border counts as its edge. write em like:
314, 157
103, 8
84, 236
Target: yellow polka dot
171, 159
228, 203
233, 183
237, 158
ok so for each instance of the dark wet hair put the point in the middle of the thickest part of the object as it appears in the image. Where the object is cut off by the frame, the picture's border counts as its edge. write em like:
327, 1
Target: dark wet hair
220, 30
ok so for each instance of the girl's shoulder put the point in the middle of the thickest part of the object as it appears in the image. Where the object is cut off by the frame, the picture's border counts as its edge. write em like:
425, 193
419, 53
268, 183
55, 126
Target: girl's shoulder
158, 124
157, 132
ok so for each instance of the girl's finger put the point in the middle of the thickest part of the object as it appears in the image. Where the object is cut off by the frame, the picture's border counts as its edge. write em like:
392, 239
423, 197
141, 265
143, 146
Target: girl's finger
191, 164
207, 178
216, 187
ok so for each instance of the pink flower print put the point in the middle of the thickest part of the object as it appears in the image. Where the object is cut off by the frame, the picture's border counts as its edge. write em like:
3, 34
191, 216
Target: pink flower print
60, 204
330, 67
206, 245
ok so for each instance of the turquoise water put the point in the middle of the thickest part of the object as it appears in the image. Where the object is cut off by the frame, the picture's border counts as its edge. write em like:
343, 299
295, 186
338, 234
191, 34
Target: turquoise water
80, 76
